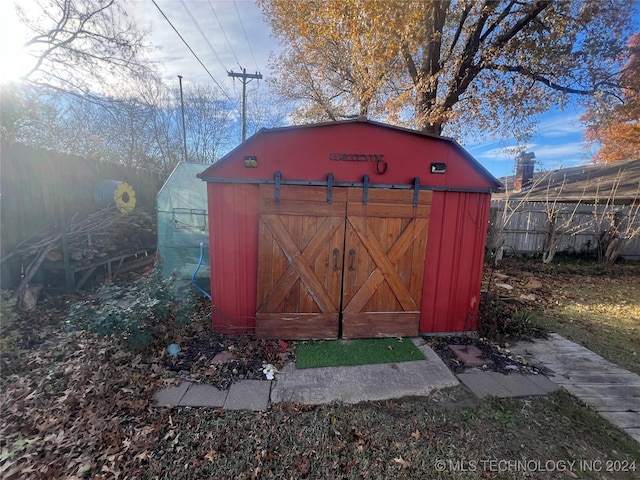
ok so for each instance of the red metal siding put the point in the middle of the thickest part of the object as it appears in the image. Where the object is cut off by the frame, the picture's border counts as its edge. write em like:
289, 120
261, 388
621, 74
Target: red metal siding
233, 240
457, 230
455, 256
304, 155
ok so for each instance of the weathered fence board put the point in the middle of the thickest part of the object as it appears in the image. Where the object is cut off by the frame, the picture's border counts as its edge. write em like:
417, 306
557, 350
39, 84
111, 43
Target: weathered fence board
525, 230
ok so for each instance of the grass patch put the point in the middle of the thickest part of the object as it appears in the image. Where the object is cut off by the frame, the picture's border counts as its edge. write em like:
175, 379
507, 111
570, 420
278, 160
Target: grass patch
363, 351
403, 439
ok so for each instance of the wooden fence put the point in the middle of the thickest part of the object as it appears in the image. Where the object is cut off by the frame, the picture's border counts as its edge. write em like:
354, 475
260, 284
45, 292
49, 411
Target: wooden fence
38, 186
526, 229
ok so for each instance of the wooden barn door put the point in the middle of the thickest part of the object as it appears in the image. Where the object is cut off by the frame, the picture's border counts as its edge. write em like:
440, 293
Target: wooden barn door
344, 267
300, 259
385, 250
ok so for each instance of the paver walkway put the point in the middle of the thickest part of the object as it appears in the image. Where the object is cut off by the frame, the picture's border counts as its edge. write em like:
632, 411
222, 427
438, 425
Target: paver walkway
353, 384
242, 395
611, 390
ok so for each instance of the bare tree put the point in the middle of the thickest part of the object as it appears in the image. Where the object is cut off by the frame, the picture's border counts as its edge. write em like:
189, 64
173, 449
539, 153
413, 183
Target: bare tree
267, 109
615, 225
82, 46
208, 123
561, 219
502, 217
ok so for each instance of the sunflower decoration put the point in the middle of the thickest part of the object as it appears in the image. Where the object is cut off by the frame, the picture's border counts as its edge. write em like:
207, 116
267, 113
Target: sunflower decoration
125, 197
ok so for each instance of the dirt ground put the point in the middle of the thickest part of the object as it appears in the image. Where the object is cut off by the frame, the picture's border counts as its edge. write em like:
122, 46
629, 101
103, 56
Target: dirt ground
75, 405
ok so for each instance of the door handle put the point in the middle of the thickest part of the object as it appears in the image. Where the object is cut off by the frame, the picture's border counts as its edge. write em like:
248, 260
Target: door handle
352, 254
336, 253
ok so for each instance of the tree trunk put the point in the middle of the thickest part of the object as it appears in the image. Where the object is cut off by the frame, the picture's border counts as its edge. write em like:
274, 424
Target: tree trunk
431, 128
614, 249
550, 251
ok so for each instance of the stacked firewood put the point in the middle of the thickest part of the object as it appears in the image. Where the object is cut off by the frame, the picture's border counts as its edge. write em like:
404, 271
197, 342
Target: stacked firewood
89, 238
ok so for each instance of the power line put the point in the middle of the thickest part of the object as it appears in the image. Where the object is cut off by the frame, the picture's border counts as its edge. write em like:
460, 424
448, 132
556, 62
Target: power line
195, 22
224, 33
235, 4
196, 56
246, 78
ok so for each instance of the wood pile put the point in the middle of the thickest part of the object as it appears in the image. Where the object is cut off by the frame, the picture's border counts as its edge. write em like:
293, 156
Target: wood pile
90, 239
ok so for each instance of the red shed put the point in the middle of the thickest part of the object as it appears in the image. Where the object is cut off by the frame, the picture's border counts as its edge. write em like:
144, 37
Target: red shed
346, 229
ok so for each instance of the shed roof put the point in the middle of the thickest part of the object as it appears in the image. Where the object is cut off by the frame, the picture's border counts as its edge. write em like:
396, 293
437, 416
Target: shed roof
585, 183
288, 139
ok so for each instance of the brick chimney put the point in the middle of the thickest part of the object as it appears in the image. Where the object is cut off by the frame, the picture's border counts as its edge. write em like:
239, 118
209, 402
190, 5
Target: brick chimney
524, 171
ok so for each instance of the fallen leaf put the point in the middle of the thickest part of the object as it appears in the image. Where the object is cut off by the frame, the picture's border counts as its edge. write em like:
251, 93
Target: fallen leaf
416, 435
211, 456
304, 466
402, 461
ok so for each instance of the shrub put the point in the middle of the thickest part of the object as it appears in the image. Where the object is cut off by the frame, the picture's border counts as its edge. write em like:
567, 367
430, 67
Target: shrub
138, 313
498, 319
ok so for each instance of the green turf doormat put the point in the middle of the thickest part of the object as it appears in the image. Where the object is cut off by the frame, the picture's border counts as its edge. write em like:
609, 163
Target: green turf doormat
362, 351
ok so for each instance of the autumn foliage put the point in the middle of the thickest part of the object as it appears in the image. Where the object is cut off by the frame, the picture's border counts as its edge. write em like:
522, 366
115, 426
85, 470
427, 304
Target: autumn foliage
617, 129
429, 64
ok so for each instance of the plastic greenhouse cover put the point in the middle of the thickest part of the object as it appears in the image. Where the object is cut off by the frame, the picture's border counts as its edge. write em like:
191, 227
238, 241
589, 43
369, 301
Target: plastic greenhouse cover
181, 207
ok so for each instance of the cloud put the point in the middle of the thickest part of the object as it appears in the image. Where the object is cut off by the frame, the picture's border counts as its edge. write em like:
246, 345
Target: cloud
561, 155
561, 125
223, 47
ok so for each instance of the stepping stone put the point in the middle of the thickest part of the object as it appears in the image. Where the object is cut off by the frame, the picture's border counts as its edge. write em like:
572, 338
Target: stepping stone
470, 355
171, 396
482, 384
623, 420
223, 357
634, 433
504, 386
199, 395
248, 395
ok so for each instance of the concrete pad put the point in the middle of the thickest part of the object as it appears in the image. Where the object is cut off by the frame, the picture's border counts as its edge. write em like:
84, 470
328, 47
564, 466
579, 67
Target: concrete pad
482, 384
200, 395
504, 386
171, 396
248, 395
622, 420
543, 383
363, 382
518, 385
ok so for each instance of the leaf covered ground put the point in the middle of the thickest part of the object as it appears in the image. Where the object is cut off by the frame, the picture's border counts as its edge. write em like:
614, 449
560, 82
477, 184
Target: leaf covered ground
75, 405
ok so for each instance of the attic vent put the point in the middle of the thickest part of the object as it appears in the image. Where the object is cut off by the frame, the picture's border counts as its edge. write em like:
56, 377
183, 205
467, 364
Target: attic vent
439, 168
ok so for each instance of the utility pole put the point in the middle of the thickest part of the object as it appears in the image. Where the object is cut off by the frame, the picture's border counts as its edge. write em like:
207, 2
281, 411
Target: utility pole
246, 78
184, 128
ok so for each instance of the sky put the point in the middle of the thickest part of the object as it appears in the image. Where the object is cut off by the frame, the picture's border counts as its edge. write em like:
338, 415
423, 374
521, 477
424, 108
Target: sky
229, 35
